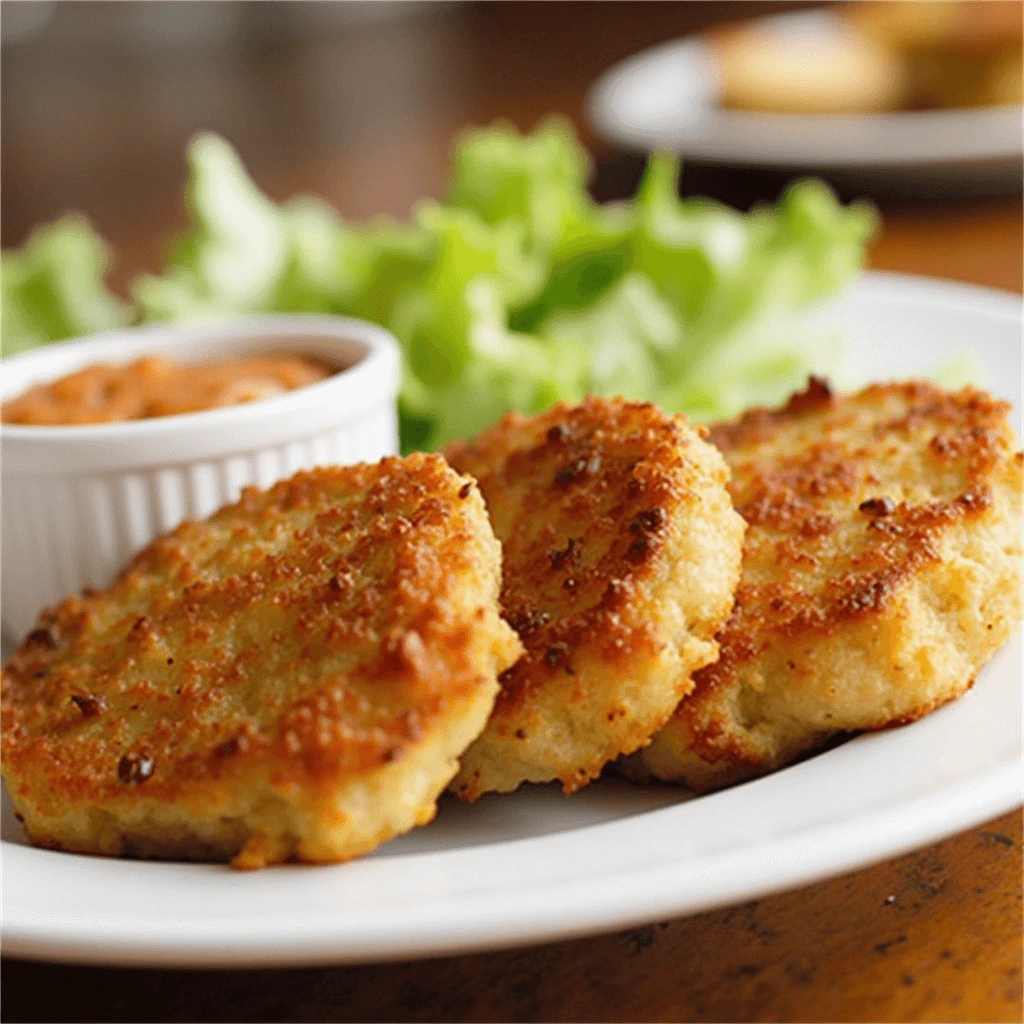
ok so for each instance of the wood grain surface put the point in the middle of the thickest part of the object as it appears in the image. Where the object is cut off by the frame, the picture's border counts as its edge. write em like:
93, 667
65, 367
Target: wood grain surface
91, 122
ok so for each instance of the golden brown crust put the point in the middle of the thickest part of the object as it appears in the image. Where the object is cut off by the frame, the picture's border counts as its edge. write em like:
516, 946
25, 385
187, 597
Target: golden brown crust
597, 482
862, 512
306, 636
795, 506
593, 504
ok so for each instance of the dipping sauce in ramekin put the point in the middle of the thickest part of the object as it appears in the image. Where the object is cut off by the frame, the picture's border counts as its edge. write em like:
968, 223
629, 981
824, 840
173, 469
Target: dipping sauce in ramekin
159, 386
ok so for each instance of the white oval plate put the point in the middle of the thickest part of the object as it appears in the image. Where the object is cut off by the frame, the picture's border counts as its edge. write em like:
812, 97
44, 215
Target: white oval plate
538, 866
667, 98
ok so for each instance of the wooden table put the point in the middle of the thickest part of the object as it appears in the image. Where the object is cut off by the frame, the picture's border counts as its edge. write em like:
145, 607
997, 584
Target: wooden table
933, 936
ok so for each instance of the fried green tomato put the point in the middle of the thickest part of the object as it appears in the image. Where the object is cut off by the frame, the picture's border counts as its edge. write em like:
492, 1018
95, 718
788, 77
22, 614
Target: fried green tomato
621, 555
293, 679
881, 570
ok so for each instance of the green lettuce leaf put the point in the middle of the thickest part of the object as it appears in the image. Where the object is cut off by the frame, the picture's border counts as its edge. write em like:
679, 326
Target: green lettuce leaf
534, 180
503, 370
52, 288
242, 253
743, 286
433, 317
627, 335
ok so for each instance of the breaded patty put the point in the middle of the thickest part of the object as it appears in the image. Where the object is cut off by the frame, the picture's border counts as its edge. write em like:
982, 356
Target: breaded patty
293, 679
621, 555
881, 570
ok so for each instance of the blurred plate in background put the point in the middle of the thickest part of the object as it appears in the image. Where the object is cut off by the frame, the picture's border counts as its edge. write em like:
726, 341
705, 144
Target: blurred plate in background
668, 97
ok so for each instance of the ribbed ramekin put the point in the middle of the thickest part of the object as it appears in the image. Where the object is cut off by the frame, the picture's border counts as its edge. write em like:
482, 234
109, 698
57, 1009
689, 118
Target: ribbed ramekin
79, 501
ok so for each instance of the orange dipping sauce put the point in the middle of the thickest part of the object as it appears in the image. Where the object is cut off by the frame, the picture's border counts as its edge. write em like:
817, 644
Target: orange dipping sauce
155, 386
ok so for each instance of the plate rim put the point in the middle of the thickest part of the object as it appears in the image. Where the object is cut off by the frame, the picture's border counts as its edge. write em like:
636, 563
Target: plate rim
801, 857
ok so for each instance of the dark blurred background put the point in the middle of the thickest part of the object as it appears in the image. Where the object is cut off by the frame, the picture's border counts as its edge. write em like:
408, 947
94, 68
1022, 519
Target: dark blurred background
358, 102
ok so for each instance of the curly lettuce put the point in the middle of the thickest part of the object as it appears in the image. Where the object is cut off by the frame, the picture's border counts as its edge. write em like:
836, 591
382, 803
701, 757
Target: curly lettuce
515, 291
53, 287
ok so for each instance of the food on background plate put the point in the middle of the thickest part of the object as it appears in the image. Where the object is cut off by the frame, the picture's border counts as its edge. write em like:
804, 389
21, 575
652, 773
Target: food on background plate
808, 72
621, 555
878, 56
957, 53
881, 570
156, 386
293, 679
516, 291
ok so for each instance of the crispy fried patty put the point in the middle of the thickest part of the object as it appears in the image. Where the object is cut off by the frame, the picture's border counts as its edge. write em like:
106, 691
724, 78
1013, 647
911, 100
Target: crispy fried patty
621, 554
881, 569
294, 678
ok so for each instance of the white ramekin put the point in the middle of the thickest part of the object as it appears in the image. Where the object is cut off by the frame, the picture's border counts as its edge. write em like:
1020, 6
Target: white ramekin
79, 501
